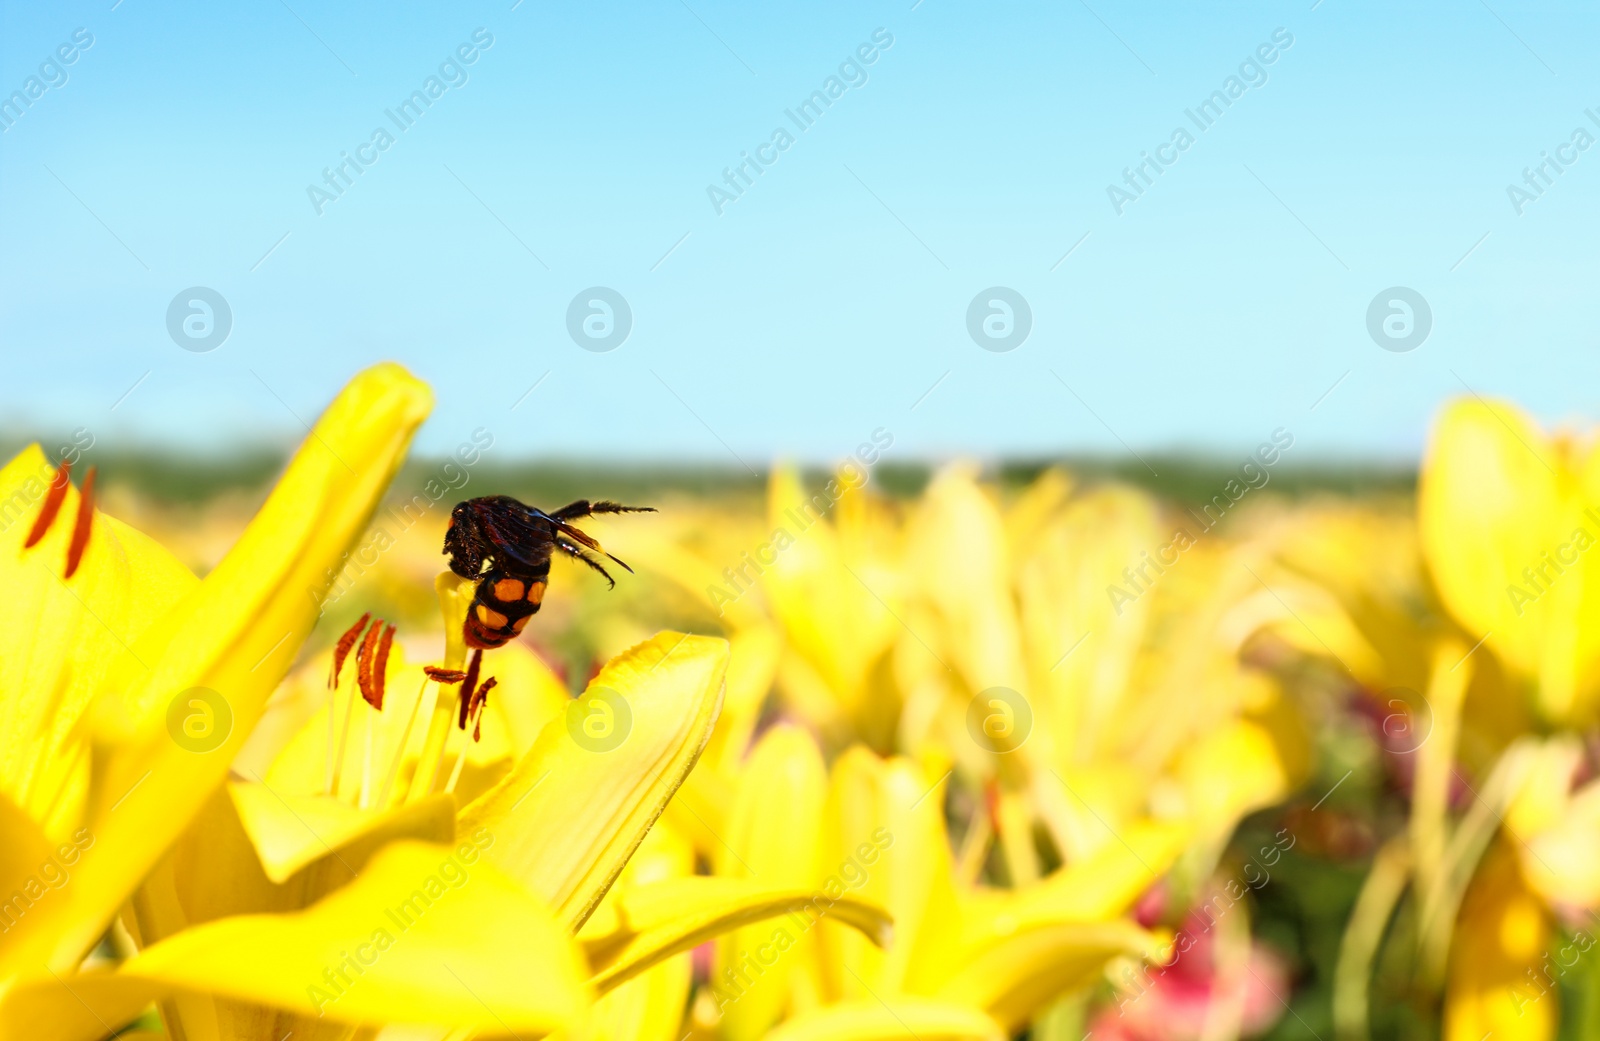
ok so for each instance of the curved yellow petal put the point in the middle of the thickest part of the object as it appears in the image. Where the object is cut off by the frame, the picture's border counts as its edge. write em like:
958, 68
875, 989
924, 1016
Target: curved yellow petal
650, 1006
1013, 964
890, 1020
425, 935
234, 634
659, 920
222, 865
572, 810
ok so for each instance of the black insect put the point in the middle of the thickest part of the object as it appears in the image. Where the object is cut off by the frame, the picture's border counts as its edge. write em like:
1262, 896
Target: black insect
506, 546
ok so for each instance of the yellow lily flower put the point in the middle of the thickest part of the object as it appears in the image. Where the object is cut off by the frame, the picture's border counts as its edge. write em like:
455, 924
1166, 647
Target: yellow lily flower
325, 881
1121, 676
966, 961
832, 582
104, 642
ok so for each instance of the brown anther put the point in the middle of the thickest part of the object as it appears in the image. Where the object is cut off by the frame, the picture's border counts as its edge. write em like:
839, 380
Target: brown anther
469, 684
83, 526
380, 667
439, 675
342, 649
53, 499
364, 660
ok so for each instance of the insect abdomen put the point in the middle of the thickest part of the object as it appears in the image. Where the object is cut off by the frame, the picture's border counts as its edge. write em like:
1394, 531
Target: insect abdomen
502, 606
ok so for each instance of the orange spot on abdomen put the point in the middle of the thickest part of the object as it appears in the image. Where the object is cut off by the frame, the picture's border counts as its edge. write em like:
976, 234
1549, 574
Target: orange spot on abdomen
479, 635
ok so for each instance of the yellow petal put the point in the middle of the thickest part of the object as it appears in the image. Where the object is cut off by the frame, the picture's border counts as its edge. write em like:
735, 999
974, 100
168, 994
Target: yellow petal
885, 842
958, 521
234, 634
891, 1020
425, 935
772, 838
569, 814
291, 831
1065, 587
1496, 960
752, 665
24, 851
82, 1007
1233, 769
1507, 523
827, 597
1105, 884
1557, 827
662, 919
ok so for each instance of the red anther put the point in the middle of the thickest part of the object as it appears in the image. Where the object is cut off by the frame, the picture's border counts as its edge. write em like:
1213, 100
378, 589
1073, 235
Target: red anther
469, 684
439, 675
480, 697
380, 666
83, 526
480, 701
52, 504
342, 649
364, 661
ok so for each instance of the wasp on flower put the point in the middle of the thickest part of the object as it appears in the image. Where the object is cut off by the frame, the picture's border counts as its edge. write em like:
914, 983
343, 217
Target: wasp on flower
505, 546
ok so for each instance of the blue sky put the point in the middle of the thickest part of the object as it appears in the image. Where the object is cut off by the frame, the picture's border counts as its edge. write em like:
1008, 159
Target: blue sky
826, 300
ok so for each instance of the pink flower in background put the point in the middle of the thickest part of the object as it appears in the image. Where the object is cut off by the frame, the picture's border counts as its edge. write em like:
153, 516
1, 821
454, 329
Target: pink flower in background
1173, 1002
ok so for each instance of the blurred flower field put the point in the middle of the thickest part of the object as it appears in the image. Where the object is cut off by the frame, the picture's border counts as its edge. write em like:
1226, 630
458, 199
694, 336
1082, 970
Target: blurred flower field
958, 754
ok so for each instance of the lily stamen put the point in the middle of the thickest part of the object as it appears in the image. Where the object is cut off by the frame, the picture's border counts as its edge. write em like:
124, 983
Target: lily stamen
82, 526
480, 703
364, 661
342, 649
469, 684
54, 497
405, 738
364, 682
461, 754
374, 675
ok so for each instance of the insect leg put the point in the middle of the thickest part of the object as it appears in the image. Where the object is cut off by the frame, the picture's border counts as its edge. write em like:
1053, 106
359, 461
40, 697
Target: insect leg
585, 508
573, 551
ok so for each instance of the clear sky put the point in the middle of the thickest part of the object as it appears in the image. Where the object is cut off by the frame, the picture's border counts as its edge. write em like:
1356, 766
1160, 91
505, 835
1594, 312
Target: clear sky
830, 297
